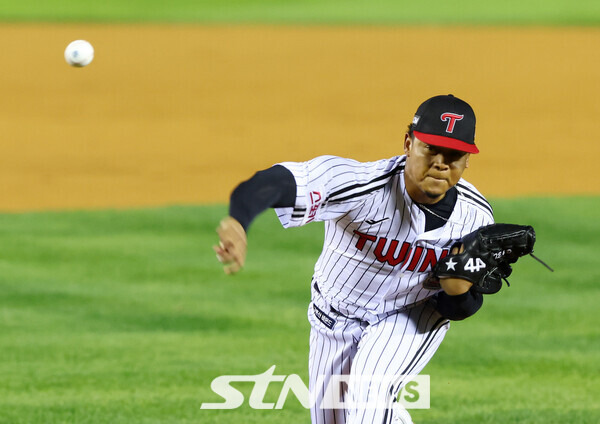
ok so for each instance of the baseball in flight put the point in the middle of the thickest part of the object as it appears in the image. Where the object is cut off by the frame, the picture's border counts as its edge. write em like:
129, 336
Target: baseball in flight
79, 53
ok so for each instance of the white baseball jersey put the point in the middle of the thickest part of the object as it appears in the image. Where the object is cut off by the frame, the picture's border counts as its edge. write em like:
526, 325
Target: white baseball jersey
368, 313
376, 254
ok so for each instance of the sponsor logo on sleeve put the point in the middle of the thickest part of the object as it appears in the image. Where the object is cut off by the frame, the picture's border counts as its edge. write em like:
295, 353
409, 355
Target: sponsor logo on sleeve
315, 202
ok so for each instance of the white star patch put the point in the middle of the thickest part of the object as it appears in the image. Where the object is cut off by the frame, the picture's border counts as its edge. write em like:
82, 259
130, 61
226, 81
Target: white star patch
451, 264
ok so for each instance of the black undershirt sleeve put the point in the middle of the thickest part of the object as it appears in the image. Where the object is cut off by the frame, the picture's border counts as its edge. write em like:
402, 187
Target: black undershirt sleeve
272, 188
458, 307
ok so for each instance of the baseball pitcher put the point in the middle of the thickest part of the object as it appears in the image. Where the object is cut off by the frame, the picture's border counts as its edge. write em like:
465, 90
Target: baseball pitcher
409, 246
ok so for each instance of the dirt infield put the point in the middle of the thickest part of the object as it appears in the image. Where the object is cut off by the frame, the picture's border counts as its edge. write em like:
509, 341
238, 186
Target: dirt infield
179, 114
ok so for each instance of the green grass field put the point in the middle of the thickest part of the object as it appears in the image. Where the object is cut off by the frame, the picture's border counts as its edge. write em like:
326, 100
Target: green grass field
125, 317
523, 12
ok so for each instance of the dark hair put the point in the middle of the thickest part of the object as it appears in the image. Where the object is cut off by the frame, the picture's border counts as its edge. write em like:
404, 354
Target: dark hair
410, 130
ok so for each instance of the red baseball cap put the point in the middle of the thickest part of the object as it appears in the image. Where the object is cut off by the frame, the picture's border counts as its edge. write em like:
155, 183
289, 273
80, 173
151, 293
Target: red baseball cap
446, 121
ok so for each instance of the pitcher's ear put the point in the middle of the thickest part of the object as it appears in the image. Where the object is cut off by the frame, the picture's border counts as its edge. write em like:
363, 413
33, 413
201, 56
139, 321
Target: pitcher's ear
408, 142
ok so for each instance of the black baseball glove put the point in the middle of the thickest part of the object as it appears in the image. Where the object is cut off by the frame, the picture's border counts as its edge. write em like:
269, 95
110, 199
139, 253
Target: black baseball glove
488, 253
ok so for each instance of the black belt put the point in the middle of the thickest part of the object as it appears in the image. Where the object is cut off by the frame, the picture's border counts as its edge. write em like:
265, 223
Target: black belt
331, 308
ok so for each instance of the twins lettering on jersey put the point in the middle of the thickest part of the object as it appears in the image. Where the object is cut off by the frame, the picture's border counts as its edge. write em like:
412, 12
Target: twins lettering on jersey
390, 253
395, 258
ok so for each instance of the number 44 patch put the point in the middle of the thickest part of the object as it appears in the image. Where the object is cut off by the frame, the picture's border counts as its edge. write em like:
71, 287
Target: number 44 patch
474, 265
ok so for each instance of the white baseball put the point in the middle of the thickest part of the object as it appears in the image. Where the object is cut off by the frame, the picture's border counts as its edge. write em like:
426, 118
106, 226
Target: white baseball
79, 53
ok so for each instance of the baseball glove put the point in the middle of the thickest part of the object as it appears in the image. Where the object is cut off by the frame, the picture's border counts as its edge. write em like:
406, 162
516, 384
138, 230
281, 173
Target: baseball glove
488, 253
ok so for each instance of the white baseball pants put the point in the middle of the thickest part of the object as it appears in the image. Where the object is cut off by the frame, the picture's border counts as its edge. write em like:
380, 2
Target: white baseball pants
396, 345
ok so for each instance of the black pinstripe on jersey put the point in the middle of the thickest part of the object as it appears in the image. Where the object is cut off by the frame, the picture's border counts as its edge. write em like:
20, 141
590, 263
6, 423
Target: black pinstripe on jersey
368, 187
377, 284
355, 280
409, 369
477, 198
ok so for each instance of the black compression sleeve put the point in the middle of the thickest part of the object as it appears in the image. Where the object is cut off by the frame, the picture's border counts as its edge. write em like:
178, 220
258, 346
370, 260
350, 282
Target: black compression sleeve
273, 187
458, 307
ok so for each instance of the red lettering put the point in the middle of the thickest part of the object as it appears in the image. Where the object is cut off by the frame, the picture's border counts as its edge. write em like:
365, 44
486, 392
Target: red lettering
451, 118
394, 256
407, 256
389, 255
362, 239
415, 259
431, 259
315, 197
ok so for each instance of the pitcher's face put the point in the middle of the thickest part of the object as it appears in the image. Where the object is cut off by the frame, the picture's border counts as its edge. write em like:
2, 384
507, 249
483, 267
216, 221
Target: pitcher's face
431, 170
